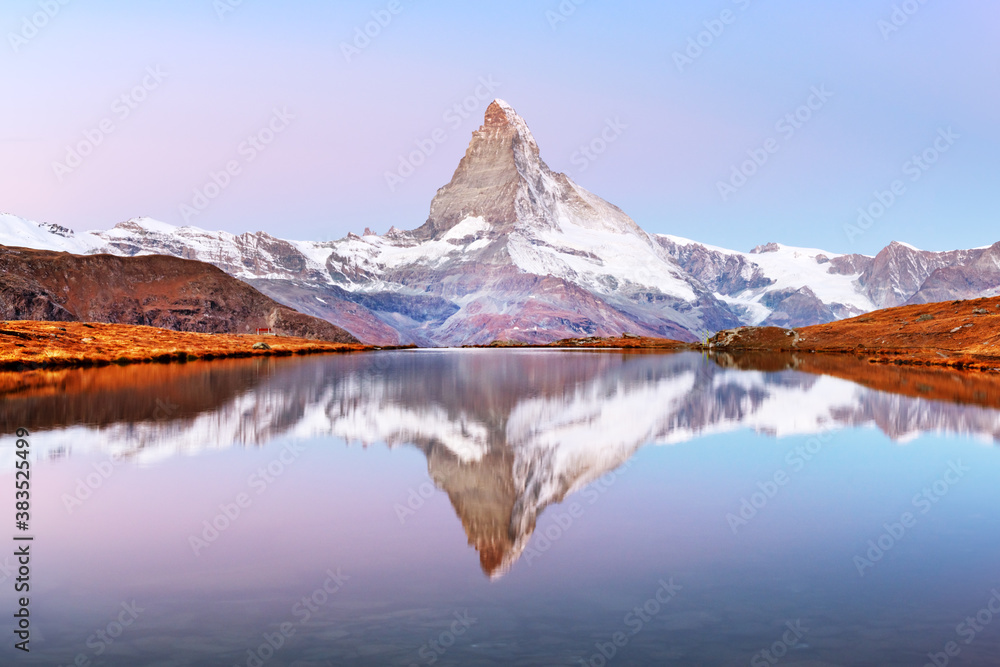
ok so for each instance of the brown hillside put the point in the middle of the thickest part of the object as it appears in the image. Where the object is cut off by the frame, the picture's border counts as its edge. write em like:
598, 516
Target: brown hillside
152, 290
962, 334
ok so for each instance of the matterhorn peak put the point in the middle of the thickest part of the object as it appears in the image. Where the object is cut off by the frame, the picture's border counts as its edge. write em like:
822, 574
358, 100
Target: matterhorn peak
490, 178
501, 115
503, 181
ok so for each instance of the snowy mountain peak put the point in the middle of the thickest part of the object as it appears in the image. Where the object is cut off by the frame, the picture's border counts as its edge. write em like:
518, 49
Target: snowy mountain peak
503, 180
501, 115
501, 155
502, 106
903, 244
17, 232
147, 225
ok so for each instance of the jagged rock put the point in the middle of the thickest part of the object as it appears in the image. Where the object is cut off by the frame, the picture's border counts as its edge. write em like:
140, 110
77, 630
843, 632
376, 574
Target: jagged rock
768, 247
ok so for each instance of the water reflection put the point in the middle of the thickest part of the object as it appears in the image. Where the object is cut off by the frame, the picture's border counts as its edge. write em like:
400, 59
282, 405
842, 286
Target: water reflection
505, 433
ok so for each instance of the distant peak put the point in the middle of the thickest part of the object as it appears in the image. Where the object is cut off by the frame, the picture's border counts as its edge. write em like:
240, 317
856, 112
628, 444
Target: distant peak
146, 224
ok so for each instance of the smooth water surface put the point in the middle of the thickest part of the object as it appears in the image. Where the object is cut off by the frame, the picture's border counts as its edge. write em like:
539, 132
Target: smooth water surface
501, 507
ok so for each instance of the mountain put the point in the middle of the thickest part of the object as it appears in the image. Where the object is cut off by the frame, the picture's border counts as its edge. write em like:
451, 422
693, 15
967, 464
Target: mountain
523, 252
778, 285
505, 434
513, 250
153, 290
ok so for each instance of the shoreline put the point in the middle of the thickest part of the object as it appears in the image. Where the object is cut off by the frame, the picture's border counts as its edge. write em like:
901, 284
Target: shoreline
961, 335
951, 359
42, 345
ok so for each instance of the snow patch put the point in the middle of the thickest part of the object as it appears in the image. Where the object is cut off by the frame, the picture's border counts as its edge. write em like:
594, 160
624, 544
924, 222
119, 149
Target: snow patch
470, 226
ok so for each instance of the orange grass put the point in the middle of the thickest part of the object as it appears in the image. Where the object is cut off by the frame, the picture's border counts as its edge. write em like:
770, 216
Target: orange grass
26, 344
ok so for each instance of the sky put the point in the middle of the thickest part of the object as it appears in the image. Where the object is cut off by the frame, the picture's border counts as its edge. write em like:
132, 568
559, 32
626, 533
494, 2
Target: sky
837, 125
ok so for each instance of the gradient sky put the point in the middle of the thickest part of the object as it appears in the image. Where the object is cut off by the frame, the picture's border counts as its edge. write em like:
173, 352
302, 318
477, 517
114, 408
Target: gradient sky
324, 174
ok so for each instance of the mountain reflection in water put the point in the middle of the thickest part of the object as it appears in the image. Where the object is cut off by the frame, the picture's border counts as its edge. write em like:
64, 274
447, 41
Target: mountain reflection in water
505, 433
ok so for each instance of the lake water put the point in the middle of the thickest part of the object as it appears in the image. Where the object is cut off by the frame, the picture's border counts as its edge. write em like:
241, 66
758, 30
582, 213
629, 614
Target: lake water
502, 507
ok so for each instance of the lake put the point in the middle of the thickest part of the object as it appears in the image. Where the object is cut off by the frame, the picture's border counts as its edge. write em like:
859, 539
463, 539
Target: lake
507, 507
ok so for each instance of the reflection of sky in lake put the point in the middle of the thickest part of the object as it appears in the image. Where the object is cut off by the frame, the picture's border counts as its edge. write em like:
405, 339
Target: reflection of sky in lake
592, 557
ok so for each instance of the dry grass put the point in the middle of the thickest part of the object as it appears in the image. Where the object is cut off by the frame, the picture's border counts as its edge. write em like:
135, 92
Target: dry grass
962, 334
959, 334
26, 344
616, 342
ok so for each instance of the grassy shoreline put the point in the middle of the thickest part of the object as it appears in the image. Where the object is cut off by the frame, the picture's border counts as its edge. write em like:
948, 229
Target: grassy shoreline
963, 335
29, 344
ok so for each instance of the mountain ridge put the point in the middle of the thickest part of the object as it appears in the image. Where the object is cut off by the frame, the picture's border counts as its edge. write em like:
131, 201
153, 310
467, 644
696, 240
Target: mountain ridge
512, 250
